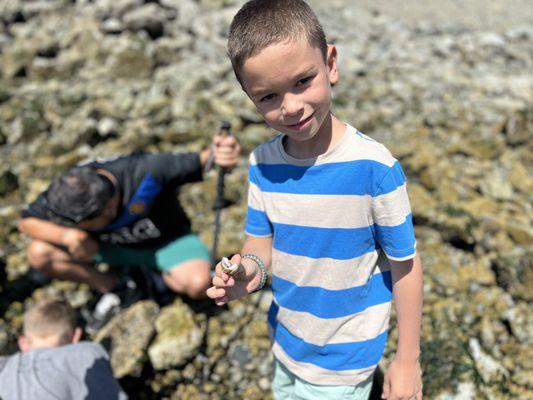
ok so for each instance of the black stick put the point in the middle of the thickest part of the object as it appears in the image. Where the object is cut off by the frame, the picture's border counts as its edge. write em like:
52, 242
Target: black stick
220, 201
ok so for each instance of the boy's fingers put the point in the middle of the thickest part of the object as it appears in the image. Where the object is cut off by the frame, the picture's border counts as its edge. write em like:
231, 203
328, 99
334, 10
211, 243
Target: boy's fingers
211, 292
223, 281
221, 301
215, 292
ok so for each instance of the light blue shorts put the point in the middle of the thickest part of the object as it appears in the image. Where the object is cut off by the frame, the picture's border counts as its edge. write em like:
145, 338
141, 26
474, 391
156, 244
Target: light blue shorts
287, 386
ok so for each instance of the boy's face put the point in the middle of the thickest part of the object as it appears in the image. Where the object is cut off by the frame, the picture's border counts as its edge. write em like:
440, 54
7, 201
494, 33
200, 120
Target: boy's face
290, 85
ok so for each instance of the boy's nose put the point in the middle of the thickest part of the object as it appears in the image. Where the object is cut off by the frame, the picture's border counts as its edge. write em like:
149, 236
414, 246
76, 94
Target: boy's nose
292, 105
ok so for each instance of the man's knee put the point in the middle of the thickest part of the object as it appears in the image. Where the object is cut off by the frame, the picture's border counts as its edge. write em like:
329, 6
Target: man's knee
39, 254
192, 282
197, 286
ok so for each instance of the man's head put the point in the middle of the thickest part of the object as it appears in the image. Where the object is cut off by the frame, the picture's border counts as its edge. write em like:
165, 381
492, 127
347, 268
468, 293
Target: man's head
261, 23
284, 65
82, 196
49, 323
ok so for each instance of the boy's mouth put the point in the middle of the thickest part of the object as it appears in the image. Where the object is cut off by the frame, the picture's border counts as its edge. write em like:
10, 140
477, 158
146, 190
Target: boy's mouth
300, 125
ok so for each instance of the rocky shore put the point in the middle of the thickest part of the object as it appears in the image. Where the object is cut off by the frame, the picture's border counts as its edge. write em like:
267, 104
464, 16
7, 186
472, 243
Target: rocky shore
453, 102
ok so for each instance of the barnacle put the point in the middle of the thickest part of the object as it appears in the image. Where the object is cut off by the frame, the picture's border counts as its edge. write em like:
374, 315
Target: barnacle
228, 267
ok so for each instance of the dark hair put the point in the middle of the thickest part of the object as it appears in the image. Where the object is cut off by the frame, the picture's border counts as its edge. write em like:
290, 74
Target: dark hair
261, 23
79, 194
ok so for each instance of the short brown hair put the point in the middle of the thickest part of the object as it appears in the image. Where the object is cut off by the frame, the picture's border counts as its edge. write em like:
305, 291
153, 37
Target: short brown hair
50, 318
261, 23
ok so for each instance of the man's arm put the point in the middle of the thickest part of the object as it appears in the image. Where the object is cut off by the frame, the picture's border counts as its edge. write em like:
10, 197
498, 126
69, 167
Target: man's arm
176, 169
78, 242
403, 378
43, 230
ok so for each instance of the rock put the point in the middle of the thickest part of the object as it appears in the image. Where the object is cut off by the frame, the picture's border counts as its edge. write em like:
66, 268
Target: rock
113, 25
116, 8
107, 126
488, 368
8, 182
497, 185
127, 337
129, 59
178, 336
149, 17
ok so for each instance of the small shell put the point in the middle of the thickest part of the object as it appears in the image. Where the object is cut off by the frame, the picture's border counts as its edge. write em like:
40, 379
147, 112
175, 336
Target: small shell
228, 267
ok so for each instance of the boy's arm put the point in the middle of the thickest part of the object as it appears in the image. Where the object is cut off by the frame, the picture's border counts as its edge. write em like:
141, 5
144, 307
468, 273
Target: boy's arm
227, 288
403, 379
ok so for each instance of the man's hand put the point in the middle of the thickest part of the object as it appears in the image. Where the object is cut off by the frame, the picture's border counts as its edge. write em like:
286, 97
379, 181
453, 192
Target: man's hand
227, 287
79, 244
226, 151
403, 380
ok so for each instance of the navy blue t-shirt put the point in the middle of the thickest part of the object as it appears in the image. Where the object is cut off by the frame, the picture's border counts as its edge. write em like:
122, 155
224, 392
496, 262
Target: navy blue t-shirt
150, 213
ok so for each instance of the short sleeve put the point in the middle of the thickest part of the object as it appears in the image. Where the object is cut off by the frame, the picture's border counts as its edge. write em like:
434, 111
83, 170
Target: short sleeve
257, 222
391, 212
174, 170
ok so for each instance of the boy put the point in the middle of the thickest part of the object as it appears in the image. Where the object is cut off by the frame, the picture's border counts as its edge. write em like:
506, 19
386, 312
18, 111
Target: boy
328, 211
53, 364
124, 211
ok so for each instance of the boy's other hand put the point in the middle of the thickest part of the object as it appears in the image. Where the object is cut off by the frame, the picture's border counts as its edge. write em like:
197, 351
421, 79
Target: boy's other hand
79, 244
403, 380
226, 150
231, 287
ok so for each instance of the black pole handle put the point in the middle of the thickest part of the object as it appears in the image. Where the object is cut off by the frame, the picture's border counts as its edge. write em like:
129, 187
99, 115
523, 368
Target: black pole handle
220, 201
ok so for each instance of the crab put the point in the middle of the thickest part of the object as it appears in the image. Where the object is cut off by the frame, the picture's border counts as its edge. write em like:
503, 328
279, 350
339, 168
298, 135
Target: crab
228, 267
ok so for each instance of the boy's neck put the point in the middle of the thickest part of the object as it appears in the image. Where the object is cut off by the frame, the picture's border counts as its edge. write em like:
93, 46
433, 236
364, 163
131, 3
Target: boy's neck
330, 133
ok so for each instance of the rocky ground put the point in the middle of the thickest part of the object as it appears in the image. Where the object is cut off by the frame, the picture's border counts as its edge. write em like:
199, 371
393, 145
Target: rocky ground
449, 92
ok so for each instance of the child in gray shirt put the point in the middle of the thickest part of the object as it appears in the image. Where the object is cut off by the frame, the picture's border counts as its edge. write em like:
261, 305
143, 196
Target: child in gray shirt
53, 364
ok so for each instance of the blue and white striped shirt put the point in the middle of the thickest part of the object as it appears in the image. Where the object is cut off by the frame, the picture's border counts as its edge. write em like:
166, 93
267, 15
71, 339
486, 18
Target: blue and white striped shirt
334, 220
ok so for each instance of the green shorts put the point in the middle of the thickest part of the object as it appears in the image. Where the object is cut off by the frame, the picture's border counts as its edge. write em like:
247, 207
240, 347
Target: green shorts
287, 386
163, 258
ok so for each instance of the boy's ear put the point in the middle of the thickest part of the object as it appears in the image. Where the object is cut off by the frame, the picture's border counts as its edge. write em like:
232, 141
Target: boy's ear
23, 344
76, 336
332, 64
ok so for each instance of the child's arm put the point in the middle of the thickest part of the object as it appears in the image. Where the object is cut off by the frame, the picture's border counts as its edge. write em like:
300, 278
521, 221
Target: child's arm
226, 288
403, 379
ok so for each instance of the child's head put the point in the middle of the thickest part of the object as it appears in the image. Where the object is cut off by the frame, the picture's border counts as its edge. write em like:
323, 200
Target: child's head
261, 23
280, 57
49, 323
82, 197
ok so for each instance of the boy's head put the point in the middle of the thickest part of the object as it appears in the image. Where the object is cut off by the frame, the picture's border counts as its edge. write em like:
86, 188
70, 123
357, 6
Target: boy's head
49, 323
261, 23
82, 197
280, 57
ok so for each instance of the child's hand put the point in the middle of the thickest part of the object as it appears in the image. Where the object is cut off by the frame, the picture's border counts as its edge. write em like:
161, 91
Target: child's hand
231, 287
226, 151
403, 381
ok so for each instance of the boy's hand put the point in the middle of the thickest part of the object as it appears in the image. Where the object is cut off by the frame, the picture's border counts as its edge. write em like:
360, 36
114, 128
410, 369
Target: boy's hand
403, 381
227, 288
79, 244
226, 150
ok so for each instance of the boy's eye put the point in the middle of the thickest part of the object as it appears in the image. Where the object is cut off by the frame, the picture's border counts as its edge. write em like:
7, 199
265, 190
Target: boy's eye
267, 97
304, 81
